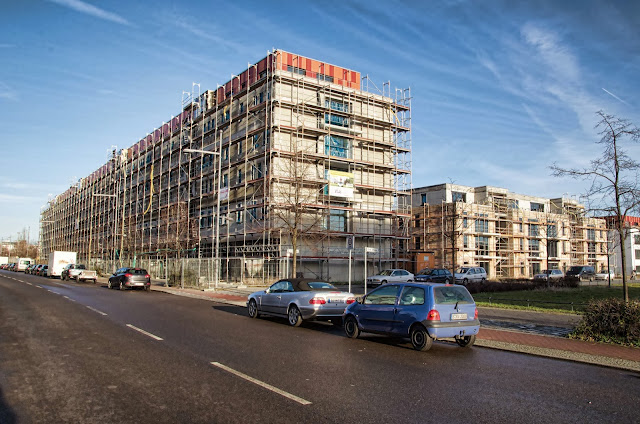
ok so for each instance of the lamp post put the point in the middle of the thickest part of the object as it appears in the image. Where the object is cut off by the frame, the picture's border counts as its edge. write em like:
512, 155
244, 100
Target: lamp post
207, 152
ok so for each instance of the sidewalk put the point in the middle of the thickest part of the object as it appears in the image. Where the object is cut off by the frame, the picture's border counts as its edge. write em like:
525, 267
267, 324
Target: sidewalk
626, 358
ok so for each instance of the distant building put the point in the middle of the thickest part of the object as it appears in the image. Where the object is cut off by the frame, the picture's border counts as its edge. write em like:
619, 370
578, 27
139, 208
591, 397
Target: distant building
510, 235
631, 246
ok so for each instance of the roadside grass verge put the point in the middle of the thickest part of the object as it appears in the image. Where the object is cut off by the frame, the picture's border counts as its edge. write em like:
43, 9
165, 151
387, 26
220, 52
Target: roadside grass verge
560, 300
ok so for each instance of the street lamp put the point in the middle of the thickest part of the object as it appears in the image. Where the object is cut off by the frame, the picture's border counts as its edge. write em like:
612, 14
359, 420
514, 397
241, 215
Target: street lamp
217, 235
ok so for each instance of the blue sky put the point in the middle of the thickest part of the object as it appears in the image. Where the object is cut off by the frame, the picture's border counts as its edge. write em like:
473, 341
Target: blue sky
501, 89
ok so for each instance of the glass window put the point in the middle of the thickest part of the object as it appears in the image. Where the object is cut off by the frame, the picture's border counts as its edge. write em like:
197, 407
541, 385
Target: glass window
385, 295
337, 146
482, 245
482, 226
452, 295
321, 285
457, 196
412, 296
280, 287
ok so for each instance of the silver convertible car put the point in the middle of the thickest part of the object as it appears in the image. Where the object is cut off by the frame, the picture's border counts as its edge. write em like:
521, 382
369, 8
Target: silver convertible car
299, 300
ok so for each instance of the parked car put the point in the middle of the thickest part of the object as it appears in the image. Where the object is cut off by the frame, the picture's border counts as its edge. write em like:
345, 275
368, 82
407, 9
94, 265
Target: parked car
580, 273
300, 299
468, 274
436, 275
390, 276
35, 269
44, 271
28, 269
423, 312
73, 271
131, 278
605, 275
12, 267
549, 275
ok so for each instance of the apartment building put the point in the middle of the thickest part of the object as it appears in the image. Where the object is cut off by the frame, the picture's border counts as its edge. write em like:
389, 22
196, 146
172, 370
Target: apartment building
292, 164
631, 246
510, 235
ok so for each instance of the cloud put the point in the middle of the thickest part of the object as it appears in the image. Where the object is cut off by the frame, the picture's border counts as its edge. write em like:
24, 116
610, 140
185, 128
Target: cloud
18, 198
89, 9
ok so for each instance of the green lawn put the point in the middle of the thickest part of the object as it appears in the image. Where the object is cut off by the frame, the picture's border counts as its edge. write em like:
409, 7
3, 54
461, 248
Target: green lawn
559, 299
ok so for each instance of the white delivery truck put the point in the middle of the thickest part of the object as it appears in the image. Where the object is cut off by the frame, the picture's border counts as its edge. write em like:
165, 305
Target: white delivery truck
23, 263
4, 260
58, 260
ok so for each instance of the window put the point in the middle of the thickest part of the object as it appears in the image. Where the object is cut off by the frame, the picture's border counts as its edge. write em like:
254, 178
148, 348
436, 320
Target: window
340, 121
225, 180
225, 153
239, 175
482, 226
537, 207
591, 248
337, 146
457, 196
482, 245
296, 70
412, 296
335, 105
591, 234
534, 230
238, 217
534, 247
553, 249
552, 231
465, 241
240, 148
636, 239
423, 197
337, 220
385, 295
452, 295
637, 254
465, 222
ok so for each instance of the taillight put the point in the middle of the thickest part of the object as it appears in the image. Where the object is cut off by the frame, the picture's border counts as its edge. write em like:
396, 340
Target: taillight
351, 300
128, 275
433, 315
147, 276
317, 301
475, 316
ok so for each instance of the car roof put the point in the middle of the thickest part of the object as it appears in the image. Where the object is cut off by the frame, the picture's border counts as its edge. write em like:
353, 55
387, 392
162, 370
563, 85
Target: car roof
302, 284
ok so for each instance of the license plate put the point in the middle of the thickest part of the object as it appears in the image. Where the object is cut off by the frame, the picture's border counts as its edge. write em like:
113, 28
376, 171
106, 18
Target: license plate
458, 316
334, 301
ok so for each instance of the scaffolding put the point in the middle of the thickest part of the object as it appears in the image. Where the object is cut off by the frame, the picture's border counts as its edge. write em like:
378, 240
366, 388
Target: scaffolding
212, 193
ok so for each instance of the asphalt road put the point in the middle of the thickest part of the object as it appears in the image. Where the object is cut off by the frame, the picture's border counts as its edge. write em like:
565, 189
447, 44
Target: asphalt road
82, 353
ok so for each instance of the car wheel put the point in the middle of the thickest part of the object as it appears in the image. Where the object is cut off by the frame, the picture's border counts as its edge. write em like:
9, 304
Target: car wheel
409, 281
295, 319
482, 280
383, 282
465, 281
109, 286
591, 279
446, 281
121, 286
252, 310
420, 339
466, 341
351, 327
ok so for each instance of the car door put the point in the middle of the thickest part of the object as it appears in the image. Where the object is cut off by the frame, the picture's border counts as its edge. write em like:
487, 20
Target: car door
271, 300
410, 307
378, 309
287, 295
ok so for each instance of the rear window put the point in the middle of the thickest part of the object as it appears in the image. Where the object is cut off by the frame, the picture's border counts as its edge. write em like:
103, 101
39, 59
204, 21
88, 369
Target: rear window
138, 271
452, 295
321, 285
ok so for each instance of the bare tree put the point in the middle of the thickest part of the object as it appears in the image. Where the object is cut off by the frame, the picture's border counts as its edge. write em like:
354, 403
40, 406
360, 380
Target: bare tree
614, 189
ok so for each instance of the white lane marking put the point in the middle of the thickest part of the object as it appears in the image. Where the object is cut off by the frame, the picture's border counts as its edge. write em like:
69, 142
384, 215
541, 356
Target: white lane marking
146, 333
262, 384
40, 287
67, 297
29, 283
95, 310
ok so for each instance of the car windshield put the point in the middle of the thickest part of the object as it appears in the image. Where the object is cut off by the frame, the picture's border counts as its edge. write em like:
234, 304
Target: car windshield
386, 272
462, 270
451, 295
425, 271
547, 271
321, 285
575, 269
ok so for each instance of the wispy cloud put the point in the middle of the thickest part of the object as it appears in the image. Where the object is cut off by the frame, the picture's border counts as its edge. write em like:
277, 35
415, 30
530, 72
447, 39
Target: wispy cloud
89, 9
18, 198
7, 92
614, 96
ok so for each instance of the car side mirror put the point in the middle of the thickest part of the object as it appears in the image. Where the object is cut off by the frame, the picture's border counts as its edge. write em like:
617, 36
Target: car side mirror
359, 299
267, 291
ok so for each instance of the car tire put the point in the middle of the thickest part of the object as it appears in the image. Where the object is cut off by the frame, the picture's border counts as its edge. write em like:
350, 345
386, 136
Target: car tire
420, 338
446, 281
252, 309
466, 341
109, 285
121, 286
383, 282
465, 281
409, 281
482, 280
351, 327
294, 316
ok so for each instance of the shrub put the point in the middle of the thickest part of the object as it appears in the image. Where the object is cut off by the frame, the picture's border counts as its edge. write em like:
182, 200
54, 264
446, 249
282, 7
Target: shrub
610, 320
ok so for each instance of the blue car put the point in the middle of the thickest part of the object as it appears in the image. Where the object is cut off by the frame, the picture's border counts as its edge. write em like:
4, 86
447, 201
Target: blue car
421, 312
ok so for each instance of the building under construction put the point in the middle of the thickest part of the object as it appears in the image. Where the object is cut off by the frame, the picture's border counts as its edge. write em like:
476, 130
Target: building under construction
292, 166
509, 235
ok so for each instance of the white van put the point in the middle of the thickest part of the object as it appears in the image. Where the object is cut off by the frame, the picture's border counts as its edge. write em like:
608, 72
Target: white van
466, 274
23, 263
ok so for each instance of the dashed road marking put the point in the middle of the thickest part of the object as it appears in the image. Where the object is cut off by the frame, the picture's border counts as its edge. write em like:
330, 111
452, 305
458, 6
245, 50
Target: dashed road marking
95, 310
262, 384
146, 333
